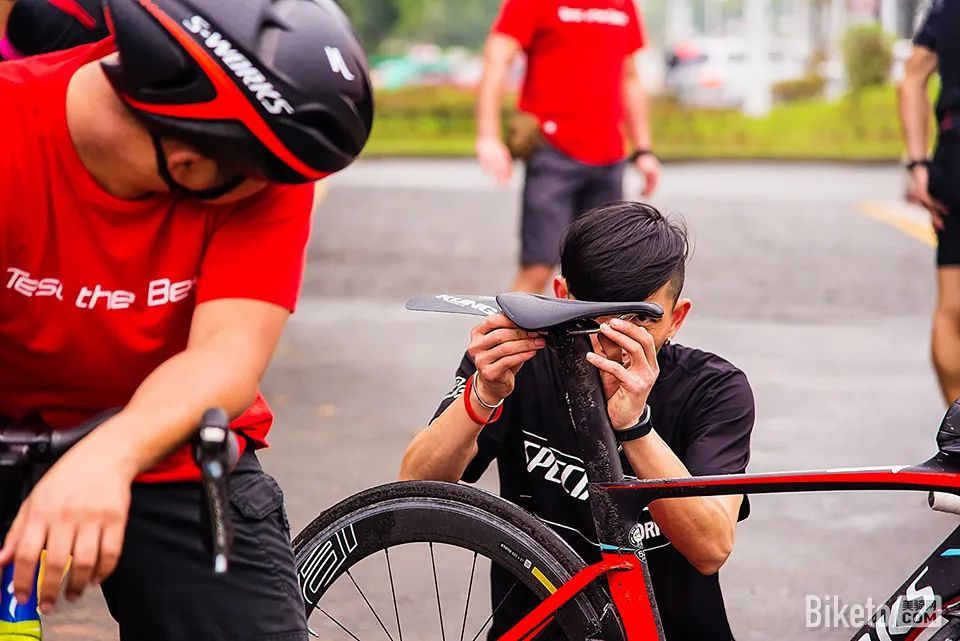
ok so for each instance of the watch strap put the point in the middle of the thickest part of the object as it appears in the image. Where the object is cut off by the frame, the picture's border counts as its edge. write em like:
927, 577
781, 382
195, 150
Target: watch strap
641, 429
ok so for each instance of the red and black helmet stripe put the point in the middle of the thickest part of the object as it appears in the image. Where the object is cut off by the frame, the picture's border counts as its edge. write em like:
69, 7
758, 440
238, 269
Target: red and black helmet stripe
230, 102
76, 11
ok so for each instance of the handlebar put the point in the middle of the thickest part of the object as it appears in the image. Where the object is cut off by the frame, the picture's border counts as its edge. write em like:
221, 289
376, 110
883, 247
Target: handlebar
23, 446
215, 451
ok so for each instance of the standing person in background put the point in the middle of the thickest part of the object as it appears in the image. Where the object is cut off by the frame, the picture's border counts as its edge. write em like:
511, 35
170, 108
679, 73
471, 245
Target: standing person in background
935, 183
34, 27
581, 87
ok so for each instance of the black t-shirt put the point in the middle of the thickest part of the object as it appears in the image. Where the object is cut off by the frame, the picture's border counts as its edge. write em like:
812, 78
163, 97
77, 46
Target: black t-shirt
41, 26
702, 408
940, 32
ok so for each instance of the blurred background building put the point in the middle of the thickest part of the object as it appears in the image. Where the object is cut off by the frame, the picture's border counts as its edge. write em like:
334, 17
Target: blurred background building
721, 53
756, 79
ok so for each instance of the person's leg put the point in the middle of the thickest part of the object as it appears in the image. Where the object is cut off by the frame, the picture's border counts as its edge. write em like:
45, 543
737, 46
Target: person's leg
549, 190
165, 588
945, 342
946, 332
605, 186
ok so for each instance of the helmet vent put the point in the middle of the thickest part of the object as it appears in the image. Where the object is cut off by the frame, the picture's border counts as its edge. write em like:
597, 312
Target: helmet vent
328, 126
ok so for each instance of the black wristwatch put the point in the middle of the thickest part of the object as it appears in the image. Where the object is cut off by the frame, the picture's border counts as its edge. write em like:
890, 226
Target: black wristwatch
913, 164
641, 429
636, 155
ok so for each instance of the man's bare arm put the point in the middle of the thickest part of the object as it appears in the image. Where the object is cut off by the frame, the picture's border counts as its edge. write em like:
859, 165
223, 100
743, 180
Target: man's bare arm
915, 101
498, 54
637, 106
701, 528
80, 508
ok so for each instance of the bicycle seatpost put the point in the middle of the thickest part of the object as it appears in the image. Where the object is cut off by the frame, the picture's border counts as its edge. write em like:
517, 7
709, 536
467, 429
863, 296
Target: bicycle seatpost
216, 453
588, 408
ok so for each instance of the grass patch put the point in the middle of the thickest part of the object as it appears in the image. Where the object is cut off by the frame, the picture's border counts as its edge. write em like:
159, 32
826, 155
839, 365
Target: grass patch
439, 122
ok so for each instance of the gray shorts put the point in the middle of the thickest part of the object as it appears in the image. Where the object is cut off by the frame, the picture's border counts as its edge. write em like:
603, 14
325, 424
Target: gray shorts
558, 189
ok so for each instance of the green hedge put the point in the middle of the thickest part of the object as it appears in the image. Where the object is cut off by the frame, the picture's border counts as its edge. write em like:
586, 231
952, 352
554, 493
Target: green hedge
440, 122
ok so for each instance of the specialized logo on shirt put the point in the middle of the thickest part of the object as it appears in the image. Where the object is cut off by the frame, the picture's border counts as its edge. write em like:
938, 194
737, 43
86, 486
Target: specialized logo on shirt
556, 467
161, 291
576, 15
253, 79
567, 471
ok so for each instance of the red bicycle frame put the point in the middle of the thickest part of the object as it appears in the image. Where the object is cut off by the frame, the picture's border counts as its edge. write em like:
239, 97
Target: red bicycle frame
616, 504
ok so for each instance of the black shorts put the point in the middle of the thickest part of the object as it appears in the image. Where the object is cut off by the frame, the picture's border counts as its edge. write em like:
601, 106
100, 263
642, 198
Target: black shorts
559, 188
164, 588
948, 240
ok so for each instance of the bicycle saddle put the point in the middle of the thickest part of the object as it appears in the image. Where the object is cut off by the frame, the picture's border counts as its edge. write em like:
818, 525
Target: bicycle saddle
533, 312
530, 311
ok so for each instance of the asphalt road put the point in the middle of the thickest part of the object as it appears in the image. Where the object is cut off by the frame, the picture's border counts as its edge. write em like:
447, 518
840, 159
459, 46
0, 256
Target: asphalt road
824, 307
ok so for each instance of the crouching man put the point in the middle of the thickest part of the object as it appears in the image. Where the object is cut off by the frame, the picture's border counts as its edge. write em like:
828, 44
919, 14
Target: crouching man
700, 407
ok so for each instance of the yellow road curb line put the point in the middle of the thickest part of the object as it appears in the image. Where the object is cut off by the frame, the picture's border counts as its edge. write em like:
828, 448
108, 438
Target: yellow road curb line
919, 231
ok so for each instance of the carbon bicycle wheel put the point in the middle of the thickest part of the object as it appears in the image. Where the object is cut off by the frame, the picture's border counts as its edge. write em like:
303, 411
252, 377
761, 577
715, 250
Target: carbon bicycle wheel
358, 581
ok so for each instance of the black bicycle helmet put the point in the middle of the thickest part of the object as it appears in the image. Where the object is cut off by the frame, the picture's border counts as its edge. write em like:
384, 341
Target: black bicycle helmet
41, 26
280, 87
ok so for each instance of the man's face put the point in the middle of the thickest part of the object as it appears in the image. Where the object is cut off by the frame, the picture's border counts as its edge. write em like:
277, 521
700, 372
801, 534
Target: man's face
674, 312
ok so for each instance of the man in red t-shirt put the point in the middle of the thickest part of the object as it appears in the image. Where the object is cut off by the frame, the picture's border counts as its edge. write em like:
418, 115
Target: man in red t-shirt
155, 209
581, 87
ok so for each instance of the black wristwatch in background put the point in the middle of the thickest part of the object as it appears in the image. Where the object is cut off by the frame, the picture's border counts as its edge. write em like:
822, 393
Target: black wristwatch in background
913, 164
636, 155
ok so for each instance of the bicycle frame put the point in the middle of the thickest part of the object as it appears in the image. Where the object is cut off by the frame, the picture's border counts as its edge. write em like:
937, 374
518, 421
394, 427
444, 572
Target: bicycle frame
616, 504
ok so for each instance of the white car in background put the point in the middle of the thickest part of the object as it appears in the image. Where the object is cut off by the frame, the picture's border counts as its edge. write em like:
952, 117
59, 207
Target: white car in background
716, 72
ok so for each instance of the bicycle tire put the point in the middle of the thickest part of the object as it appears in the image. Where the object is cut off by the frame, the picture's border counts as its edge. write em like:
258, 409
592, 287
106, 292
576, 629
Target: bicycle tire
461, 516
949, 632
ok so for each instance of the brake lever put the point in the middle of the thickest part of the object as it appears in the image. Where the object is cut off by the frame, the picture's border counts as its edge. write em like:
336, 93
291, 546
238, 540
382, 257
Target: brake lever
216, 451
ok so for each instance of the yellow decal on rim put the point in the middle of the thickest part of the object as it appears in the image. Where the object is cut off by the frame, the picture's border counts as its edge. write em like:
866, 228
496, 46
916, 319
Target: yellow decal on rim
543, 579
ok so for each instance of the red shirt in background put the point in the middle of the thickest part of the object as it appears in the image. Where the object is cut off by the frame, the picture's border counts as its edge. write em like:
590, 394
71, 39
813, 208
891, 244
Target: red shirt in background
97, 292
575, 58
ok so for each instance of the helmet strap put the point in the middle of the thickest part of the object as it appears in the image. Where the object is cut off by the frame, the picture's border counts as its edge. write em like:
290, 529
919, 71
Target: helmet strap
203, 194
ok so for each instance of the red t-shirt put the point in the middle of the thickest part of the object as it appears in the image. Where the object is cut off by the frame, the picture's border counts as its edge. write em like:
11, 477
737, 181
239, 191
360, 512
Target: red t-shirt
575, 58
97, 292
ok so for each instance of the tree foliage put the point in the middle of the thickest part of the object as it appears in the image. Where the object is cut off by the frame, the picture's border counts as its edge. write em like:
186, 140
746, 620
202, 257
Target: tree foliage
868, 56
444, 22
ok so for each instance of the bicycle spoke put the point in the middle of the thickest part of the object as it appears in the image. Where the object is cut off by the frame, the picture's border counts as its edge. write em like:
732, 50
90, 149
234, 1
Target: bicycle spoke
393, 590
495, 610
340, 625
367, 601
463, 628
436, 584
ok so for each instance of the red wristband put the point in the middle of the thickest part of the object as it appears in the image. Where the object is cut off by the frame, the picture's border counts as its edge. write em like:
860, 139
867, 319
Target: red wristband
473, 415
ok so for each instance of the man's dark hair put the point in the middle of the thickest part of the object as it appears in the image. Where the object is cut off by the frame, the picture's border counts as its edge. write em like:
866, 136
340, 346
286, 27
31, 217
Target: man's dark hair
624, 251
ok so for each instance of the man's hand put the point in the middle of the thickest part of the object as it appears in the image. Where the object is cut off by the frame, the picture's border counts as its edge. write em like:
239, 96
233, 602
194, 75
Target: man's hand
628, 368
79, 509
649, 167
495, 158
499, 349
919, 190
